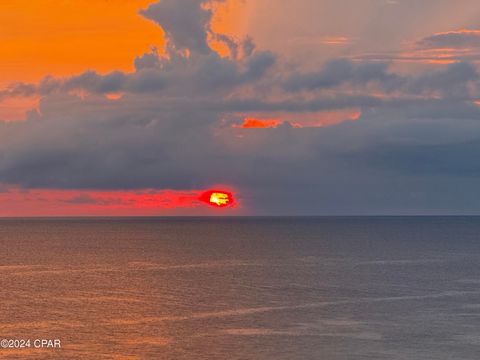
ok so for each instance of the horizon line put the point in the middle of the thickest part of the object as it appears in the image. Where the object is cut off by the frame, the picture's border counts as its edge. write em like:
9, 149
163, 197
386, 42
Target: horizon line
231, 216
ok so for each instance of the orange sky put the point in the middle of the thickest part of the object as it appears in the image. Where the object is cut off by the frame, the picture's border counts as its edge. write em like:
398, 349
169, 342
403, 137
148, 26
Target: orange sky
63, 37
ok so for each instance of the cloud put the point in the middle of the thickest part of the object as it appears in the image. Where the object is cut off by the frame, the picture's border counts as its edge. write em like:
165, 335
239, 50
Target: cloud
339, 72
460, 80
465, 38
450, 159
456, 80
439, 48
185, 22
252, 123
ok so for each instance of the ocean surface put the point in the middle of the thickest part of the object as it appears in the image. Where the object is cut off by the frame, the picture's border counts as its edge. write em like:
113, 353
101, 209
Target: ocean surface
242, 288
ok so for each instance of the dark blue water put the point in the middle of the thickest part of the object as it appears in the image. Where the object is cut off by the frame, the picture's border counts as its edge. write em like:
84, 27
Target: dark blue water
251, 288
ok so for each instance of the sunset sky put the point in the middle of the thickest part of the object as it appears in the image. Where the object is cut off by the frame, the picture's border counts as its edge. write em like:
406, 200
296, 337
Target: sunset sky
306, 107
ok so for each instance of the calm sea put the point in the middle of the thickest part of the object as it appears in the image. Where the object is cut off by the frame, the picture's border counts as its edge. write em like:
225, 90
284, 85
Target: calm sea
242, 288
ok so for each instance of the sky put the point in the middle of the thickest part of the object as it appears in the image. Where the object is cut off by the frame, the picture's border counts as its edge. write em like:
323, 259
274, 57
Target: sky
306, 107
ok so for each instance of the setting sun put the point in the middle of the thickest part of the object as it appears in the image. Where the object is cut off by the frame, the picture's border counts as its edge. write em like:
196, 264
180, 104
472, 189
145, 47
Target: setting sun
217, 198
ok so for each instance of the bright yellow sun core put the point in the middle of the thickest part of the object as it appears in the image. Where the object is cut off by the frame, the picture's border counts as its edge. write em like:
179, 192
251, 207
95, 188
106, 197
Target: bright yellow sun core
219, 199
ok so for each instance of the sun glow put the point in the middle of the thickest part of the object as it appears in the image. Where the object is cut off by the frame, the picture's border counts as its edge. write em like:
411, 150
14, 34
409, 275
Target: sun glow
217, 198
142, 202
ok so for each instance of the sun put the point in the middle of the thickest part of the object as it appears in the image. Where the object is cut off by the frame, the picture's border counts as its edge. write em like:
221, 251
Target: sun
217, 198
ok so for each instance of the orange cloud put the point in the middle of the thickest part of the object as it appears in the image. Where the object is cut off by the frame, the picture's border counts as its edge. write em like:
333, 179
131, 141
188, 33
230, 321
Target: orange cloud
335, 40
302, 120
460, 31
252, 123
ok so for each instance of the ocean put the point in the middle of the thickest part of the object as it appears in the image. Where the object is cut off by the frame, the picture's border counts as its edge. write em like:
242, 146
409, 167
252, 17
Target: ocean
241, 288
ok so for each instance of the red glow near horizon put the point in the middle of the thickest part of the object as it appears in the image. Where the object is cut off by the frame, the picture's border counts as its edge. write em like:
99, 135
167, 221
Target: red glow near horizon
142, 202
217, 198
